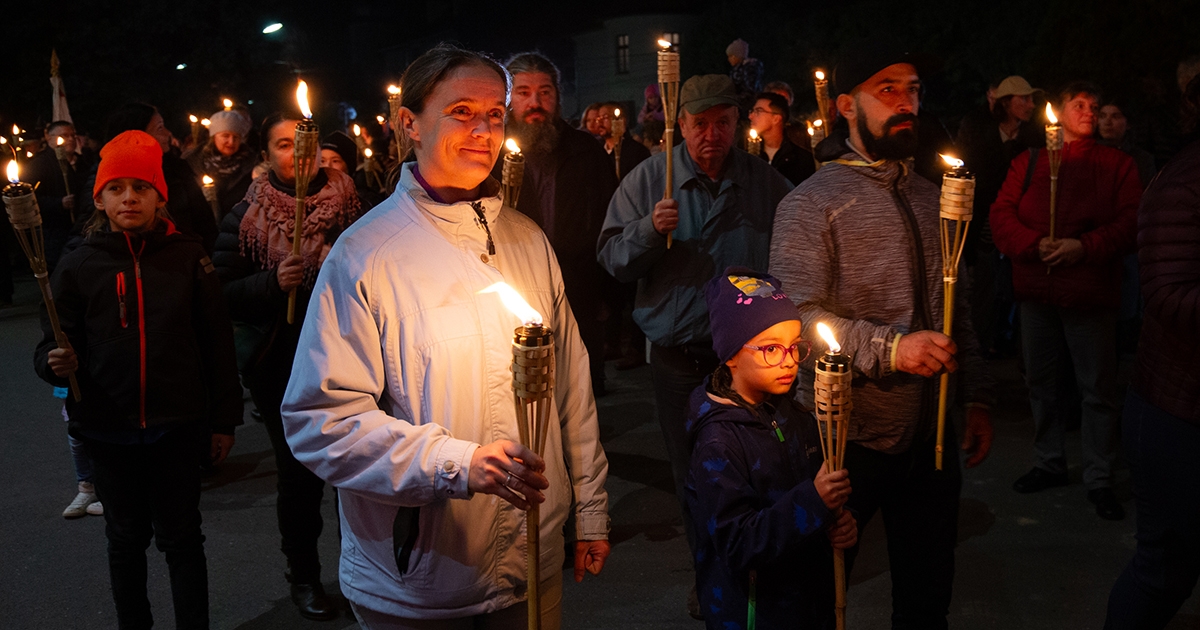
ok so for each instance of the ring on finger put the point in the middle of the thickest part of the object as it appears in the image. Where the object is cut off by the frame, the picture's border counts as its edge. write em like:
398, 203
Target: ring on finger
508, 480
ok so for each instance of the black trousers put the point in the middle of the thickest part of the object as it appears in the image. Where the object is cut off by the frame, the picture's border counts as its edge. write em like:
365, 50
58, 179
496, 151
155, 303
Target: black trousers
920, 515
298, 492
153, 490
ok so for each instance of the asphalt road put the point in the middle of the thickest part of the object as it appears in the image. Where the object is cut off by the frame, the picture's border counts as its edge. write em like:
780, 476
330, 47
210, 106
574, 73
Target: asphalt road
1024, 561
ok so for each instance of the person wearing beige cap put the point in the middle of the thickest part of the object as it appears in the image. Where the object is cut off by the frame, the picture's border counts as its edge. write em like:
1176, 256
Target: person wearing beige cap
989, 139
721, 210
226, 158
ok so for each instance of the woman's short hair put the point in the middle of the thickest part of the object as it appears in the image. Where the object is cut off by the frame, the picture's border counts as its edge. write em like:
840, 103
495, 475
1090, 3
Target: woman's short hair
425, 73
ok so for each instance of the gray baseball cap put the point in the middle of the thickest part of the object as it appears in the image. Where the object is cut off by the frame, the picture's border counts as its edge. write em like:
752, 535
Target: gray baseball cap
705, 91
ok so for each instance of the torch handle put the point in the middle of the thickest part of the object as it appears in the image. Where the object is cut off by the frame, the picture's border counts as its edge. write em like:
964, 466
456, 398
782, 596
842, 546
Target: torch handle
839, 580
533, 562
60, 337
296, 234
944, 391
668, 146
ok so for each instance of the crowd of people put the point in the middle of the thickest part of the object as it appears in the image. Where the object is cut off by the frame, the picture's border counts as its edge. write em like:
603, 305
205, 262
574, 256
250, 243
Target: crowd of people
173, 267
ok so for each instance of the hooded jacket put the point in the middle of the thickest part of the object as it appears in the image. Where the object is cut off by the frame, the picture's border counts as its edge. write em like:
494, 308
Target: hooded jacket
858, 245
1098, 194
751, 496
403, 370
145, 315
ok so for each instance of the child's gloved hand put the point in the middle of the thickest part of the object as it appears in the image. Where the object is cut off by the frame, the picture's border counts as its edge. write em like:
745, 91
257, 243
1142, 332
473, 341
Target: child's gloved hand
834, 487
844, 533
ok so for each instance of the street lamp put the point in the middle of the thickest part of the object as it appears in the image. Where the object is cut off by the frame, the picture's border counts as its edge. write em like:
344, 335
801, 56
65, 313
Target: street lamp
271, 28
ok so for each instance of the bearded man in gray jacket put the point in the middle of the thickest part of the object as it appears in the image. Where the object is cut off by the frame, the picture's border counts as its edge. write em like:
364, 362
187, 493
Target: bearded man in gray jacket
858, 244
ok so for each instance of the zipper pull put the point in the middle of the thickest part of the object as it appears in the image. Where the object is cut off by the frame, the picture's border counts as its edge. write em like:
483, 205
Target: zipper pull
778, 433
478, 207
121, 299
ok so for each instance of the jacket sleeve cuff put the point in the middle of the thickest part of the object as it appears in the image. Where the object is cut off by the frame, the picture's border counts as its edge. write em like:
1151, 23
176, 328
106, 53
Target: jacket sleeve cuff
811, 500
591, 526
893, 348
646, 233
453, 469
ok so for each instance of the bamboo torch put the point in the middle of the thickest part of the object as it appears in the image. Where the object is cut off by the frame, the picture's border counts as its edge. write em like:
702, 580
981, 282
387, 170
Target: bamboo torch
26, 219
195, 122
816, 133
209, 187
618, 134
831, 394
533, 389
668, 88
512, 173
821, 87
394, 119
62, 152
304, 157
957, 202
754, 143
1054, 147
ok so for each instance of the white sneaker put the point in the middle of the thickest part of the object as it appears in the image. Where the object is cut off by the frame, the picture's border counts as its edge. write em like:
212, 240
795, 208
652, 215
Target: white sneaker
96, 508
79, 507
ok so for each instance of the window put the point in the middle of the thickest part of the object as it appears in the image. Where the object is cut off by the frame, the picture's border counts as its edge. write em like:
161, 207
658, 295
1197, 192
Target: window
622, 54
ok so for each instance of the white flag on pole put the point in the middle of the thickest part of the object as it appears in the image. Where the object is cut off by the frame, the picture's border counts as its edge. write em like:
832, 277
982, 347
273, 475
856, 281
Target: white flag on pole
59, 95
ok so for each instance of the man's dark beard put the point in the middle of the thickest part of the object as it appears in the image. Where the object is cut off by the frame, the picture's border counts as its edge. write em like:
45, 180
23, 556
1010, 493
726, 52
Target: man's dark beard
535, 138
892, 146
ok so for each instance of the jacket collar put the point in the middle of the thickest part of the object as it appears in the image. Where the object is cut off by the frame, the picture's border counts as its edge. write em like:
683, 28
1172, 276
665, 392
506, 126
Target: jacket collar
882, 171
735, 167
462, 212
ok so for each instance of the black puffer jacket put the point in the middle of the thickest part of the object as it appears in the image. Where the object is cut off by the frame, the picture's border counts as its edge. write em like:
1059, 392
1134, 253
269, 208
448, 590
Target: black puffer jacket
1168, 365
146, 317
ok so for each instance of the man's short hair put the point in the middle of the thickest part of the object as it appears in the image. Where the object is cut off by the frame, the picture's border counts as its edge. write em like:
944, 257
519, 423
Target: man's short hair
534, 62
1075, 88
780, 86
778, 104
54, 126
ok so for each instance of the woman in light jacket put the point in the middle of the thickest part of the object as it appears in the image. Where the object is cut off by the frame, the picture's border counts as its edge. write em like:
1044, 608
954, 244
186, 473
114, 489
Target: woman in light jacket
401, 394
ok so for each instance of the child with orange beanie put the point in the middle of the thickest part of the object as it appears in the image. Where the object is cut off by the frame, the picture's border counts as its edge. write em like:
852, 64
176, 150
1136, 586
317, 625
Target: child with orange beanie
152, 348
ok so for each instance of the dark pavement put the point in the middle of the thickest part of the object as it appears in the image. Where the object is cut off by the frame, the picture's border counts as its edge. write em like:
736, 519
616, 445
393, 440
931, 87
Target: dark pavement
1024, 561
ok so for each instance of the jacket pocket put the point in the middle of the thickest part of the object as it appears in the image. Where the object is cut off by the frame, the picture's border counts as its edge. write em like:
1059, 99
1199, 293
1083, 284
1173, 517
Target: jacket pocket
405, 529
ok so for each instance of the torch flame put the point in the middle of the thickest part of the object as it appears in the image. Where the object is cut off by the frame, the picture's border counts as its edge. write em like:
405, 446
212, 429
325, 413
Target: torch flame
60, 141
208, 181
206, 122
516, 304
753, 135
368, 153
827, 335
511, 144
820, 75
393, 90
302, 99
227, 103
1050, 115
951, 160
3, 140
811, 131
664, 43
379, 119
617, 113
13, 175
192, 117
818, 122
16, 130
357, 130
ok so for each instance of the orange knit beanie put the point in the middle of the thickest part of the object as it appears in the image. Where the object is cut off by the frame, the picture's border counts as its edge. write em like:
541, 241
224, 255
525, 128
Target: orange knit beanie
133, 154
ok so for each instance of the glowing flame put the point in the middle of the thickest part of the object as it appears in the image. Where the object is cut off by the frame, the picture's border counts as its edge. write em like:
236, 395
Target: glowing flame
192, 117
811, 131
60, 141
818, 122
753, 134
16, 130
357, 130
951, 160
516, 304
302, 99
206, 122
1050, 115
29, 154
228, 104
827, 335
208, 181
617, 113
664, 43
511, 145
819, 75
3, 140
393, 90
379, 119
14, 175
368, 152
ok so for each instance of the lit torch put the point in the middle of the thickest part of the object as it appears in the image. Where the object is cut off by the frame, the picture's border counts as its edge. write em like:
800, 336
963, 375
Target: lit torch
754, 143
195, 129
668, 88
394, 119
26, 219
957, 206
618, 134
1054, 147
533, 389
227, 103
831, 395
63, 153
512, 173
821, 86
210, 193
304, 159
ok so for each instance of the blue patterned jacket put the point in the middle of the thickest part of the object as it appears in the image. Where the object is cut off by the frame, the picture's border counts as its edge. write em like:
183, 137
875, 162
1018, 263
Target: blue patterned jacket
755, 508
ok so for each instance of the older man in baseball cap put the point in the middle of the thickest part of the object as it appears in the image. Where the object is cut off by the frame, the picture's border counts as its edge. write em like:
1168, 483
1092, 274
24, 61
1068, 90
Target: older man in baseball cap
859, 245
721, 209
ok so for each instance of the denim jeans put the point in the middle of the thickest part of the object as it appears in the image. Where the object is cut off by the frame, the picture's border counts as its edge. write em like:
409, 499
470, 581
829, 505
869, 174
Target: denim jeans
919, 505
153, 490
1161, 449
1086, 338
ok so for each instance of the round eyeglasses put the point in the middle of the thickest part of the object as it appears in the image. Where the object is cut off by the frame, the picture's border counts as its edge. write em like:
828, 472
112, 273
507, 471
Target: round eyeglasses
774, 353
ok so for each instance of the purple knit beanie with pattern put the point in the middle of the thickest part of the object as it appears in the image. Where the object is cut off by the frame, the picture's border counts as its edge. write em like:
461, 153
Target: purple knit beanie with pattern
741, 304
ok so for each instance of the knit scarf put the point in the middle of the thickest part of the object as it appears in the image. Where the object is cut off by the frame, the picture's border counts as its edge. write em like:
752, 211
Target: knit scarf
265, 234
218, 165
